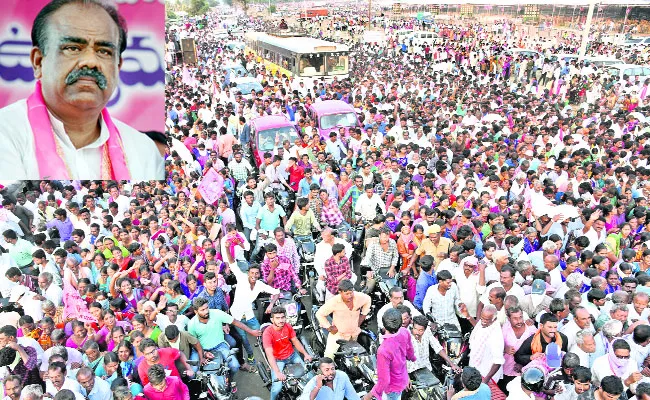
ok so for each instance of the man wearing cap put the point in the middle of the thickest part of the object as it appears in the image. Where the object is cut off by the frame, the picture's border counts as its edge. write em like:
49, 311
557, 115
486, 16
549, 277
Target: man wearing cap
537, 301
434, 245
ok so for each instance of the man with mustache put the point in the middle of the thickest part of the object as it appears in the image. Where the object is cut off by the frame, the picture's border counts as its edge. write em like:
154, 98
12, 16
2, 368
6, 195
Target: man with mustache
63, 130
329, 384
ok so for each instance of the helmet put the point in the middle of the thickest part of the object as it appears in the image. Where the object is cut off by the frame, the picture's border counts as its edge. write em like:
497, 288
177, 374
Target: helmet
533, 379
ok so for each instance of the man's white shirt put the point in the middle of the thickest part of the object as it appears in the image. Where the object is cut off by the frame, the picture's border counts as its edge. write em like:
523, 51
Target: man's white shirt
18, 159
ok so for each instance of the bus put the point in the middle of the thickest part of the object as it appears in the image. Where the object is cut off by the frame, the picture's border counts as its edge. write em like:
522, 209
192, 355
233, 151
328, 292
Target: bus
299, 56
314, 12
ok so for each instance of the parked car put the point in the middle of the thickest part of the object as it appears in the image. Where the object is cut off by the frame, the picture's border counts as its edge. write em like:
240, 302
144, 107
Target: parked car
617, 71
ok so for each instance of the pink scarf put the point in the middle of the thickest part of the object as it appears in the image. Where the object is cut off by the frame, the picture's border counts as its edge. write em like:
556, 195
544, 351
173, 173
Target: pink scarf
49, 165
617, 365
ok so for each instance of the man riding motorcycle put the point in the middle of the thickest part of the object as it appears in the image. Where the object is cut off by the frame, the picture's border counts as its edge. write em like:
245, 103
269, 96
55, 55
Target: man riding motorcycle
279, 341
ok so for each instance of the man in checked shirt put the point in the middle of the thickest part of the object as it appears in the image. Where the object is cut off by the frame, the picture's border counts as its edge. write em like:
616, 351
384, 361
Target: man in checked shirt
277, 271
337, 268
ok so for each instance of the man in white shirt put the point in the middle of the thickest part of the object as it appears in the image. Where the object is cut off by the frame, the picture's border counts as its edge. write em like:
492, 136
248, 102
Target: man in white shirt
69, 104
171, 317
396, 299
123, 202
58, 379
487, 353
367, 204
249, 286
584, 347
49, 291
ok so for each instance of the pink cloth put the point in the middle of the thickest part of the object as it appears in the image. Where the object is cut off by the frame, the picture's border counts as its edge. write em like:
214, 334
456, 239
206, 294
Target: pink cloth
392, 375
511, 340
175, 389
225, 144
50, 164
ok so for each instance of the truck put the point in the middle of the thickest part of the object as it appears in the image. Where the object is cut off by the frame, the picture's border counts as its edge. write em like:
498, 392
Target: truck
314, 12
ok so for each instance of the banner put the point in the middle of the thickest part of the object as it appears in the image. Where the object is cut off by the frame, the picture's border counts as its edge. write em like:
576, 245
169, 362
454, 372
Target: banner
139, 98
211, 187
74, 306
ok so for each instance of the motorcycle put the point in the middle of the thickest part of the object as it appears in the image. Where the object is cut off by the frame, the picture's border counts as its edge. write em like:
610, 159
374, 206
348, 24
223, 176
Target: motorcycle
293, 306
455, 344
357, 363
379, 295
298, 375
262, 239
212, 380
306, 250
358, 233
356, 358
286, 199
425, 386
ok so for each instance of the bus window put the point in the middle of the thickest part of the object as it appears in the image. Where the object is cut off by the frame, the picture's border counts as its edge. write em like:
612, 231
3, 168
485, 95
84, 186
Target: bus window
337, 64
312, 64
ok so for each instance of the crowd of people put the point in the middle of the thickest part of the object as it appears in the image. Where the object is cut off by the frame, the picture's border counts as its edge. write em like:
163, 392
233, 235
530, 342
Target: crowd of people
502, 195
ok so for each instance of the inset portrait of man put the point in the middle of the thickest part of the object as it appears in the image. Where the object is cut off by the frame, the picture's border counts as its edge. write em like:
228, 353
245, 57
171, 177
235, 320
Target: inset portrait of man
63, 130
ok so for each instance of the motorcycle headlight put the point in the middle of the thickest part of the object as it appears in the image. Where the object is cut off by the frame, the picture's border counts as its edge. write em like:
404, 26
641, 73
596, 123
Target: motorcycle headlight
453, 348
309, 257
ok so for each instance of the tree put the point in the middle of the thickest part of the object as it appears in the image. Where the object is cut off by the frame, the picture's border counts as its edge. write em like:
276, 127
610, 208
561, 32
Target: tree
171, 14
198, 7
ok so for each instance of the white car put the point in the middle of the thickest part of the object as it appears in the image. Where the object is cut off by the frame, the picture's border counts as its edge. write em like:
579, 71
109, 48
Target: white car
636, 42
246, 85
617, 71
516, 52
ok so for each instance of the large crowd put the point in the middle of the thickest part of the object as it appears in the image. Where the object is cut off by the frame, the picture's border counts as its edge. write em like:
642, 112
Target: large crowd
502, 195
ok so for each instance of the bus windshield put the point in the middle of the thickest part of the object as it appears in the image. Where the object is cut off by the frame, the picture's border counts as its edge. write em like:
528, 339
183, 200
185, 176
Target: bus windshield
267, 138
344, 119
337, 65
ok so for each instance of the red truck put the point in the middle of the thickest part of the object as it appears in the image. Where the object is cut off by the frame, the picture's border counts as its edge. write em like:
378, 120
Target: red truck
314, 12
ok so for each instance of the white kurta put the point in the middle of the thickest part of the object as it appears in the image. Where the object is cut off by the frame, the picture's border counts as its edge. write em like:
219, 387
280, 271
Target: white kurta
18, 160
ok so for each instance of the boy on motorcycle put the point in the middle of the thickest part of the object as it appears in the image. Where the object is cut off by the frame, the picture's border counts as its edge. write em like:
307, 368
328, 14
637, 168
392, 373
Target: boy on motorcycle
279, 341
303, 221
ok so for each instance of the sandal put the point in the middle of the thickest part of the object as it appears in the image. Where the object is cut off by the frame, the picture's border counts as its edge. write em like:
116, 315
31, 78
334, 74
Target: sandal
248, 368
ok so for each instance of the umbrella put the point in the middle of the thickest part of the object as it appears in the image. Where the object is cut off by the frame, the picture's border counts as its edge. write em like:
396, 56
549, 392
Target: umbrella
182, 151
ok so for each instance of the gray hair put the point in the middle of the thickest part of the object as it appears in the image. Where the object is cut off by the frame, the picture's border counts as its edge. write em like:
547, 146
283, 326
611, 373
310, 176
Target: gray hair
612, 328
47, 276
61, 351
582, 334
548, 245
574, 280
121, 393
490, 308
523, 265
620, 297
58, 334
618, 307
47, 304
32, 392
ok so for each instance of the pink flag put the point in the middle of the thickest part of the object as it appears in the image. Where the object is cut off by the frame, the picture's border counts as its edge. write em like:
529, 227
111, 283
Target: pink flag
211, 187
75, 307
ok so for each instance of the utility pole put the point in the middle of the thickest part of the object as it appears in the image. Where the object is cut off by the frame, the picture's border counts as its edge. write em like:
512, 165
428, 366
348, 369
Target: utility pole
369, 13
587, 28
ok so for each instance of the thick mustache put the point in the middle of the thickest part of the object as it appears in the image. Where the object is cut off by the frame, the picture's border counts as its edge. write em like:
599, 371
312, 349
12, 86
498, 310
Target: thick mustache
77, 74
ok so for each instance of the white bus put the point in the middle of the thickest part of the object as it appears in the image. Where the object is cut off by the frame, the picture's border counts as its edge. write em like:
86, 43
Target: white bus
299, 56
